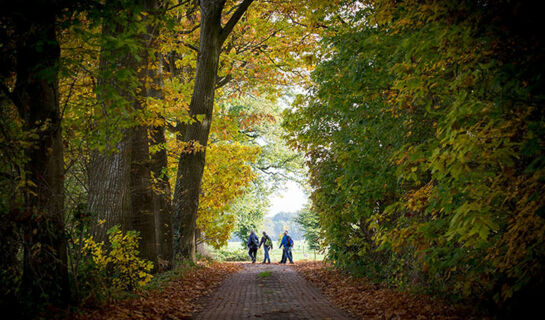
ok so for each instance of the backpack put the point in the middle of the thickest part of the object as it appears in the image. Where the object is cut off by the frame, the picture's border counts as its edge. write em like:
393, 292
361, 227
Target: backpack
289, 240
256, 241
268, 242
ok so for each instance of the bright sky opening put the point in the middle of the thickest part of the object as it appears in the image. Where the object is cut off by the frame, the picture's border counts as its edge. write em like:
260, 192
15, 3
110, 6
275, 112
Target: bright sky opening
291, 198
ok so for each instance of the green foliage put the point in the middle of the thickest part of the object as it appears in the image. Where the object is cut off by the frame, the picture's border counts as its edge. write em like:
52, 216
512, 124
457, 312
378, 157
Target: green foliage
246, 162
231, 254
247, 221
256, 123
308, 220
424, 138
12, 183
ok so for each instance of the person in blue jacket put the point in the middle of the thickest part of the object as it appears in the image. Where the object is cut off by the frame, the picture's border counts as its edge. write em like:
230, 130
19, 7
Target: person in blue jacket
253, 244
287, 243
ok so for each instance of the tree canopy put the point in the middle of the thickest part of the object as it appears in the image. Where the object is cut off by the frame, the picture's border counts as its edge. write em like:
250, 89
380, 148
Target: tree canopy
133, 130
424, 136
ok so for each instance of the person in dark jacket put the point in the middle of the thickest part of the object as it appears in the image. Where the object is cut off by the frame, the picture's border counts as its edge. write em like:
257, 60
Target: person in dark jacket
267, 245
253, 244
287, 243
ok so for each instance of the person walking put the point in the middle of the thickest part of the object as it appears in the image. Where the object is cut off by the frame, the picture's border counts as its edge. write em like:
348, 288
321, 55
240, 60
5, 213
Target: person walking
283, 243
267, 245
253, 244
289, 252
287, 243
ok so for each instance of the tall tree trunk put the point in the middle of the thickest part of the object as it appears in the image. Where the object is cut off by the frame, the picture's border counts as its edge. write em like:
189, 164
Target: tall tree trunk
109, 194
109, 171
45, 274
191, 164
161, 193
162, 200
124, 196
141, 193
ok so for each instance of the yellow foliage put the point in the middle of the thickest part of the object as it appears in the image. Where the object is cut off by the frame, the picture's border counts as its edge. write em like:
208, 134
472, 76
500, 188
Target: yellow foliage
126, 270
225, 177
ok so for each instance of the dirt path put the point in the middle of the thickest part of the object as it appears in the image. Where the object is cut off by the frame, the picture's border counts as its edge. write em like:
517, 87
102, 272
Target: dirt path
254, 293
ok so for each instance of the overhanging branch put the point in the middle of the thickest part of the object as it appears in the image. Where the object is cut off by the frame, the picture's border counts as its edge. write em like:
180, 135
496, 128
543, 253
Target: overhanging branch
226, 30
277, 165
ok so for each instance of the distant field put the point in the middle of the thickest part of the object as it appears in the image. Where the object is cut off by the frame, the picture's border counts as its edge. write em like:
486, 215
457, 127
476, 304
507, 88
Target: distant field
300, 252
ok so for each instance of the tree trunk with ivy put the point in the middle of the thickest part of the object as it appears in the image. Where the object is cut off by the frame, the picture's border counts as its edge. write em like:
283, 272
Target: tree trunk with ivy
120, 188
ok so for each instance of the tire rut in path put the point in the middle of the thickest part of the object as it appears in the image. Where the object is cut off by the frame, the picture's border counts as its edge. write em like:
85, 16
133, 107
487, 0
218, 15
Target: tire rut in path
281, 295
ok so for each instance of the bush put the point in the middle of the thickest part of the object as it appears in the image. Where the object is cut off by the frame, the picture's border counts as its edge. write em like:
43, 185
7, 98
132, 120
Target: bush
103, 272
231, 255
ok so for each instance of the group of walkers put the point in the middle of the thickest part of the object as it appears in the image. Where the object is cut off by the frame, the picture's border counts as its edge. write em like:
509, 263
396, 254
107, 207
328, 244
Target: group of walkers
266, 242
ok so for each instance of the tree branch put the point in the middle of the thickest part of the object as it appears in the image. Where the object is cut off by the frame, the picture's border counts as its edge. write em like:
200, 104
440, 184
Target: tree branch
192, 47
277, 165
68, 97
195, 27
181, 3
226, 30
251, 135
223, 81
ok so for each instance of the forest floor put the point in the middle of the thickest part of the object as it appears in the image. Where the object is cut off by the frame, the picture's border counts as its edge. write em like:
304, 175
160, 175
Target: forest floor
307, 290
178, 298
368, 300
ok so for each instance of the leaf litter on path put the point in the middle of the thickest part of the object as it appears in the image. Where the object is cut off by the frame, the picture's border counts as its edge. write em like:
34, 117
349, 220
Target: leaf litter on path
367, 300
176, 299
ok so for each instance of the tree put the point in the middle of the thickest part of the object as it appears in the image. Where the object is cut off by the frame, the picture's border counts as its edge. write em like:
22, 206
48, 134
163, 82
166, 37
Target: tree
125, 196
285, 221
162, 203
226, 177
247, 220
191, 164
30, 31
251, 58
309, 221
421, 138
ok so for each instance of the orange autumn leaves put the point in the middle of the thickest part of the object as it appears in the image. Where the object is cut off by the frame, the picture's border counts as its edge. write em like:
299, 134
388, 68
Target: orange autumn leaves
225, 178
176, 299
368, 300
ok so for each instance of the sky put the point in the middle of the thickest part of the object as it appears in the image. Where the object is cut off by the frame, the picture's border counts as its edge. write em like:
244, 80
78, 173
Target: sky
288, 199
